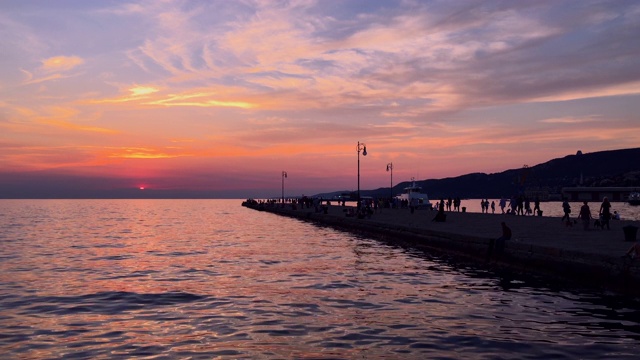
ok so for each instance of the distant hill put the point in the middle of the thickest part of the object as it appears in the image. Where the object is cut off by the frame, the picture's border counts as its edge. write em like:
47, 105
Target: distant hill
603, 168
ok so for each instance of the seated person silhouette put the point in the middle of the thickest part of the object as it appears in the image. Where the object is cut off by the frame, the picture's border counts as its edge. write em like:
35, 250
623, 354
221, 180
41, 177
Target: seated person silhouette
440, 216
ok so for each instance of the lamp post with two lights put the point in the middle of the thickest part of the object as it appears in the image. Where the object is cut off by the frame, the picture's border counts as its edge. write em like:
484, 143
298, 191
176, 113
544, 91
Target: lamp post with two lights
361, 147
284, 175
390, 168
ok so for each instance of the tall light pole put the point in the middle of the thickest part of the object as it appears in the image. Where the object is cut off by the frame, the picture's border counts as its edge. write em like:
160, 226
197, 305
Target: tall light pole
390, 168
284, 175
361, 147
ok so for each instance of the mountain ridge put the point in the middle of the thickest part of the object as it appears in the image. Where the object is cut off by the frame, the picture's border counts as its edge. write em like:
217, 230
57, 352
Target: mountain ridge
603, 168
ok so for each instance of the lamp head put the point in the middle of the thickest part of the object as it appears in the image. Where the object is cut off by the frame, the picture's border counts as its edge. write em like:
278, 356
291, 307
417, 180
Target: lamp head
364, 151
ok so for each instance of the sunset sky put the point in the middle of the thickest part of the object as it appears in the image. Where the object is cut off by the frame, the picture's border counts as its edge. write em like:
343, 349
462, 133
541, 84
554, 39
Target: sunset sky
222, 96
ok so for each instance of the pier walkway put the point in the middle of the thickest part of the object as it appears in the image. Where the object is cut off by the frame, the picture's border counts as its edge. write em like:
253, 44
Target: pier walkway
540, 245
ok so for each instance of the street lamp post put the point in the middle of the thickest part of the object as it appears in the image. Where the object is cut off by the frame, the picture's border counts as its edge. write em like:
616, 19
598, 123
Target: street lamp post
284, 175
390, 168
361, 147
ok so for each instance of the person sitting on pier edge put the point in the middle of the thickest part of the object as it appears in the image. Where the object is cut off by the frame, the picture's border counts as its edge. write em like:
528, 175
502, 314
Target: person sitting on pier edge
585, 215
633, 251
630, 257
440, 216
500, 242
506, 235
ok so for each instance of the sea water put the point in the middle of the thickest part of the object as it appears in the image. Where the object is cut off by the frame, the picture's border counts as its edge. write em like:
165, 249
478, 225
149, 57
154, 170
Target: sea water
202, 279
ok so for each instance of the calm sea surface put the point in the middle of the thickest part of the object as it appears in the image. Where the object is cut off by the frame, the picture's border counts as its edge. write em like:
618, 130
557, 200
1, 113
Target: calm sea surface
202, 279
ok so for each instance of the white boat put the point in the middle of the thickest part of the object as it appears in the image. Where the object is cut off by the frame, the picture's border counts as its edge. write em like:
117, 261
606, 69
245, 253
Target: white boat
634, 198
415, 193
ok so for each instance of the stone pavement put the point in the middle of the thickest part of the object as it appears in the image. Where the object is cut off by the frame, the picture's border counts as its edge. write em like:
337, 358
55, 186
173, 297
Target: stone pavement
534, 230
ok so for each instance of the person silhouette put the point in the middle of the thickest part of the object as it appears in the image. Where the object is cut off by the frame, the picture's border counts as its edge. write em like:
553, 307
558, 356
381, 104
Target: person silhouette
440, 216
605, 213
585, 215
566, 208
499, 243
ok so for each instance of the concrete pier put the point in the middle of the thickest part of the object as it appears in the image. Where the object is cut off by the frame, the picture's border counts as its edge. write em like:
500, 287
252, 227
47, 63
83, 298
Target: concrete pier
539, 245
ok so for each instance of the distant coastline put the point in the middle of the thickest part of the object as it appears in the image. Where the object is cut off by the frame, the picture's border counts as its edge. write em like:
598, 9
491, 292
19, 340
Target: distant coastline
615, 168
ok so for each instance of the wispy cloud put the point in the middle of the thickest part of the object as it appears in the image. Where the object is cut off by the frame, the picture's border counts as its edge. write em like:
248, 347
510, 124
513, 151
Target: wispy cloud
32, 80
568, 120
131, 93
143, 153
76, 127
61, 63
198, 99
143, 90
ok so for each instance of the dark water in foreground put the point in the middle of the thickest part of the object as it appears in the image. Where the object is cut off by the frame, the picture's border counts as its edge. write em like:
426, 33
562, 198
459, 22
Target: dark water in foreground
206, 279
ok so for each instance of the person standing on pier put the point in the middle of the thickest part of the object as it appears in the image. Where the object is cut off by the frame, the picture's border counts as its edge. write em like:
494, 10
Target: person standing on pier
412, 204
567, 210
520, 205
585, 215
605, 213
536, 207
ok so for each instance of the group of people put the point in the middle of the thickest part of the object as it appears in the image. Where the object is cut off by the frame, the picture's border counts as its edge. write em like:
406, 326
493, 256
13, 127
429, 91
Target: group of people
604, 215
484, 206
518, 205
448, 203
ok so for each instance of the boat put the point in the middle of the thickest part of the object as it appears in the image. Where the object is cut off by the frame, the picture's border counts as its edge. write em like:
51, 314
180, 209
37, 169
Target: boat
415, 192
634, 198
